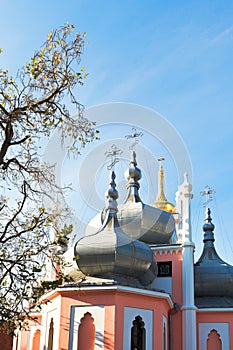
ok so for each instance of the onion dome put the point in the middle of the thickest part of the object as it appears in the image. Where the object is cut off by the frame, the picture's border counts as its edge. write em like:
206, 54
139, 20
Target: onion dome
111, 253
140, 221
161, 201
213, 276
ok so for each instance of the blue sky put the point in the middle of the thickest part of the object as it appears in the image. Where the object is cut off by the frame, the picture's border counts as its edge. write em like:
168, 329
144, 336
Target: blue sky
172, 56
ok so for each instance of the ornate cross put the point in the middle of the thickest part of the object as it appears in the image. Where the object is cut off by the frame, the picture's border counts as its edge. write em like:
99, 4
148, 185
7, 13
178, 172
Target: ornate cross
135, 135
208, 192
113, 154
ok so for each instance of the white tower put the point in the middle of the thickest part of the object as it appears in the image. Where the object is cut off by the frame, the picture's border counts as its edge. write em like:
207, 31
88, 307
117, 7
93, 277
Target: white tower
183, 199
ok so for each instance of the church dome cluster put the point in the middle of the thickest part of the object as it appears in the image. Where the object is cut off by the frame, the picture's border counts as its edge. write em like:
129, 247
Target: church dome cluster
121, 245
133, 283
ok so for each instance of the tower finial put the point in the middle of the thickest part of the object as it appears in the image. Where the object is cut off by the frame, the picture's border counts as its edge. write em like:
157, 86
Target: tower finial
208, 227
161, 201
161, 198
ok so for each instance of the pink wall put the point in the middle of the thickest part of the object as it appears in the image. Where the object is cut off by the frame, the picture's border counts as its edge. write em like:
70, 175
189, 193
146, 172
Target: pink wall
176, 259
114, 302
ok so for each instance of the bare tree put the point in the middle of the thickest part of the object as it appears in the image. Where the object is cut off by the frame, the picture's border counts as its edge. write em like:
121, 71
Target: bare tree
32, 107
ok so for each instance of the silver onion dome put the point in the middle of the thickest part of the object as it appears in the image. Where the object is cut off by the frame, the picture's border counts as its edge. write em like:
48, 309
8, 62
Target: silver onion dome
110, 252
141, 221
213, 276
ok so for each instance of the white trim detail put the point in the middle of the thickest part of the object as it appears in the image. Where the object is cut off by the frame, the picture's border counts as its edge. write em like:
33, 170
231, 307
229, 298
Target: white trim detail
132, 290
77, 312
216, 310
221, 328
166, 250
147, 316
51, 310
55, 315
17, 334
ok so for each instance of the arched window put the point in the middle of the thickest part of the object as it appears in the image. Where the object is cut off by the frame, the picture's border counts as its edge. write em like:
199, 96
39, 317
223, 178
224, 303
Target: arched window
138, 334
36, 340
214, 342
51, 330
86, 333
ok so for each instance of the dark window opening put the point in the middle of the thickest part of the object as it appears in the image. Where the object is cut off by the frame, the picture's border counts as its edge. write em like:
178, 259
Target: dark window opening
138, 334
165, 269
51, 330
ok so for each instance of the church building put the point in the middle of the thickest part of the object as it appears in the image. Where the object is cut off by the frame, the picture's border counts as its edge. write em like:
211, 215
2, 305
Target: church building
137, 286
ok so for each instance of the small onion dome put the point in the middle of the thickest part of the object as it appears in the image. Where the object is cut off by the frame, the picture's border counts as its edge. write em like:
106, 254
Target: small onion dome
140, 221
110, 252
213, 276
161, 201
133, 175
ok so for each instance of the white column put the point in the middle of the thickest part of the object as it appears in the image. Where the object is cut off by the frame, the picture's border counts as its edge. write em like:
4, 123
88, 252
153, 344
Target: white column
184, 196
188, 308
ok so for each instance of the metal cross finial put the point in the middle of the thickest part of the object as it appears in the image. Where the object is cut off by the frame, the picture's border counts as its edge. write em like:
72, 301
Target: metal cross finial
208, 192
113, 154
135, 135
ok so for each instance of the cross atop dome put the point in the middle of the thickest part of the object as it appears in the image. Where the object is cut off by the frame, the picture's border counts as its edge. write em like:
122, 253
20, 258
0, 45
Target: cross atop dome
208, 193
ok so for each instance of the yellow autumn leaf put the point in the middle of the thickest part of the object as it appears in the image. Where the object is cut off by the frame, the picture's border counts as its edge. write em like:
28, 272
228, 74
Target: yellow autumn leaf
83, 69
50, 35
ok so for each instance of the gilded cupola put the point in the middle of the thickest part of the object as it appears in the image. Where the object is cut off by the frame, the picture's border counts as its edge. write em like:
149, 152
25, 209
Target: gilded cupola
161, 201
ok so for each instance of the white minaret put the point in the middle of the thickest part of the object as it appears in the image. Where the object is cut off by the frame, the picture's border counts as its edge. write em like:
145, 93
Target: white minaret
183, 199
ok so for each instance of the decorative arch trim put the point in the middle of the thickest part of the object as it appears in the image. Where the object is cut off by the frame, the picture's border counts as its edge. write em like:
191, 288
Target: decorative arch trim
222, 328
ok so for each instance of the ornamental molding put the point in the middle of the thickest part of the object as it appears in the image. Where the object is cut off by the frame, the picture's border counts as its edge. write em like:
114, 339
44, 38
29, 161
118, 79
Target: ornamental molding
166, 250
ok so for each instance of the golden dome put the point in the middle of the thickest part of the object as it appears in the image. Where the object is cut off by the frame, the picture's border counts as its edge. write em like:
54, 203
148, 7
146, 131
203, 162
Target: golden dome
166, 206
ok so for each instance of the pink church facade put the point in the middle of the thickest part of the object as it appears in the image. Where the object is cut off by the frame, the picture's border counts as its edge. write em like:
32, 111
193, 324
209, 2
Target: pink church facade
124, 300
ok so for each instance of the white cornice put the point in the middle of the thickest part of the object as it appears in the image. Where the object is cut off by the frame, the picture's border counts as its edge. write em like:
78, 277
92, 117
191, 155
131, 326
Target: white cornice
118, 288
222, 309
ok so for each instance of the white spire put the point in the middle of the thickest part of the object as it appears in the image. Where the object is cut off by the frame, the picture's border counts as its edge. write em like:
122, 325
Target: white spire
183, 199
